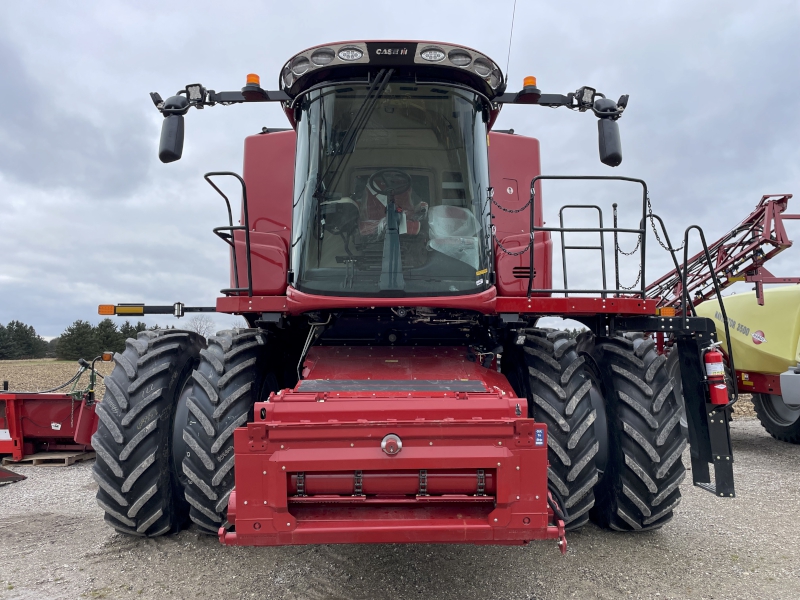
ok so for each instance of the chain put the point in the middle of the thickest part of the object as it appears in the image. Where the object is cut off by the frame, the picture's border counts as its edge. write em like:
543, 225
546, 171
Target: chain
509, 210
635, 283
655, 231
621, 251
506, 250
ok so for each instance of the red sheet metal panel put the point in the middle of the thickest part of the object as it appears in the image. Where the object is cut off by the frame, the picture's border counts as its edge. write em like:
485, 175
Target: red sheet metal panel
51, 421
328, 443
398, 363
513, 163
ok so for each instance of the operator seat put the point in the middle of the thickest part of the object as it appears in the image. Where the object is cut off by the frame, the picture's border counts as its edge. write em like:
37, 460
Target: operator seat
373, 213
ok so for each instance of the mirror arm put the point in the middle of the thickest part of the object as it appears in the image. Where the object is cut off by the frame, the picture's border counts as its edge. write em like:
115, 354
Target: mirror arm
211, 98
542, 100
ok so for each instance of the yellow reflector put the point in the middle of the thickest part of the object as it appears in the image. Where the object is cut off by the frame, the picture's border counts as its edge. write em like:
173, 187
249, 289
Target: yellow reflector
253, 79
129, 310
666, 311
529, 81
105, 309
108, 356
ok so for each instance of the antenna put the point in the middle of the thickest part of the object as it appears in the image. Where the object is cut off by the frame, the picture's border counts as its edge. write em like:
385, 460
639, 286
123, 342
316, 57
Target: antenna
510, 37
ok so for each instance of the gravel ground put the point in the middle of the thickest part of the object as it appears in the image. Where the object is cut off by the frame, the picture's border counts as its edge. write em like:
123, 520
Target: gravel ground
55, 544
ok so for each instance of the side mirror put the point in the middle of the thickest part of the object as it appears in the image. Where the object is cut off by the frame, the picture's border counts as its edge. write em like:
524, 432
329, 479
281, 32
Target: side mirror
609, 143
170, 148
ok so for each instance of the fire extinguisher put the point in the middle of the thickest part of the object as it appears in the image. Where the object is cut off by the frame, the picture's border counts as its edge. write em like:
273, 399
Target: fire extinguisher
715, 371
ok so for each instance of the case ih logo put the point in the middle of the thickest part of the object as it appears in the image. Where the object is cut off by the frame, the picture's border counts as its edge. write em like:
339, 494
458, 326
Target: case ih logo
392, 51
758, 337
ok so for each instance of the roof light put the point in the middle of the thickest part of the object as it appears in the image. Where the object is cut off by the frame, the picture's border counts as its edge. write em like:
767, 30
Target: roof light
253, 79
300, 65
495, 79
288, 77
460, 58
432, 54
529, 81
482, 67
322, 57
350, 53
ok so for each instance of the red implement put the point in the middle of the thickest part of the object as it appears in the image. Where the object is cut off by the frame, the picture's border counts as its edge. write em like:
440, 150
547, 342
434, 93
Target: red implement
31, 422
391, 455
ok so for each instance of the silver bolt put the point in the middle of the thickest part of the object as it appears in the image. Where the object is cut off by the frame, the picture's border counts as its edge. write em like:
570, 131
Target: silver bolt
498, 464
731, 495
288, 524
517, 497
499, 443
245, 501
494, 520
721, 494
351, 444
265, 501
537, 497
430, 443
263, 472
284, 468
281, 446
517, 468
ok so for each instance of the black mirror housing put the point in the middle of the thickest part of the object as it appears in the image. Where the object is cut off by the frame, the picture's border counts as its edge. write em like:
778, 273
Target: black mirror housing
170, 148
609, 143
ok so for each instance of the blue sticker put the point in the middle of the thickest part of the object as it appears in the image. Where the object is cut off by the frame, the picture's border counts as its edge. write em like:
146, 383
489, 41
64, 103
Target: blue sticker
539, 437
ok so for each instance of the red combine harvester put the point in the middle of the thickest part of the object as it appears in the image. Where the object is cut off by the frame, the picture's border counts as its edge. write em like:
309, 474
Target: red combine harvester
393, 385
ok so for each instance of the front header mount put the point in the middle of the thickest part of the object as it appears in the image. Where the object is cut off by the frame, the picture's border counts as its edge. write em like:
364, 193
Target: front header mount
422, 62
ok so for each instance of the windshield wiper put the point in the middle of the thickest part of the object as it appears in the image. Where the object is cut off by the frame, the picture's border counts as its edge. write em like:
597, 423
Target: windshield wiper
344, 149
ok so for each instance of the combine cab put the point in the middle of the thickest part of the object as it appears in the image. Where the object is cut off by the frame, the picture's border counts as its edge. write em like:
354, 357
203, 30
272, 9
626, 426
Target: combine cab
393, 386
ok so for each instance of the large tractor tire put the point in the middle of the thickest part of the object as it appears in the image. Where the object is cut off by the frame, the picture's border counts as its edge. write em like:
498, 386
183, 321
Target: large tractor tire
558, 392
779, 419
673, 368
640, 487
232, 376
138, 484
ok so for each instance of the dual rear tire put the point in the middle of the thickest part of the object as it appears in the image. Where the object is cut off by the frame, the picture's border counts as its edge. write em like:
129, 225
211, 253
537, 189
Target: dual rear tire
613, 415
164, 441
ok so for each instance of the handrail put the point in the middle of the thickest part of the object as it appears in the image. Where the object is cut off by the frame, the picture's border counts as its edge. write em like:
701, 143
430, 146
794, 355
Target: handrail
641, 231
229, 238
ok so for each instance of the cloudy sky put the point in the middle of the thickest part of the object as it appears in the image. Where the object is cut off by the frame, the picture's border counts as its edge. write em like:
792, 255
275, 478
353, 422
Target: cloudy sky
89, 215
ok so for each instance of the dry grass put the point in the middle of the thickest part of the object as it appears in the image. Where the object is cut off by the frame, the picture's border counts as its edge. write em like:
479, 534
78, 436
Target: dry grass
47, 373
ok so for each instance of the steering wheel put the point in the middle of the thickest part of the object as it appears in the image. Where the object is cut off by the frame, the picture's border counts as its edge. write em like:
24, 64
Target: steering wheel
384, 180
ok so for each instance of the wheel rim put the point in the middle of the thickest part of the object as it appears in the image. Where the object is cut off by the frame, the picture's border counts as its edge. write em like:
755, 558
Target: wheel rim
778, 411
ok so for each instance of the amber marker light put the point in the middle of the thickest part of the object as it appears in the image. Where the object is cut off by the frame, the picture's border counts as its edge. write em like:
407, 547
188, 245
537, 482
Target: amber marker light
107, 356
666, 311
105, 309
529, 81
253, 79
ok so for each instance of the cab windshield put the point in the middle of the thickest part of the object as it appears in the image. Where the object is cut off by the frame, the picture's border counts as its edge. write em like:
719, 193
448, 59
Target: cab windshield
390, 191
